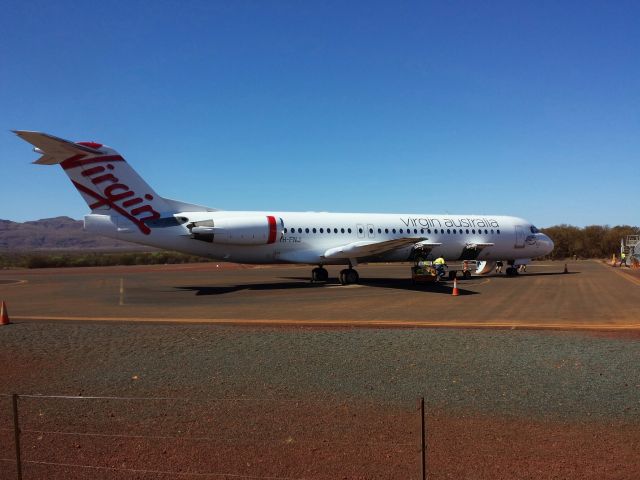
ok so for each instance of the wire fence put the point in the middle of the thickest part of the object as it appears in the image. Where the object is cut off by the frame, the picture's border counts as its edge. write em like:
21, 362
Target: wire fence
63, 436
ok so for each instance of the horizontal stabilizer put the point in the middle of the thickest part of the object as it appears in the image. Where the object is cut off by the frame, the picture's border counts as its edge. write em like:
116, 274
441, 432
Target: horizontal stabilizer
53, 149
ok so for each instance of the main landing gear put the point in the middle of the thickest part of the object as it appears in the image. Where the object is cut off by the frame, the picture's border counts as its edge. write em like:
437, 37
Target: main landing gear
346, 277
319, 274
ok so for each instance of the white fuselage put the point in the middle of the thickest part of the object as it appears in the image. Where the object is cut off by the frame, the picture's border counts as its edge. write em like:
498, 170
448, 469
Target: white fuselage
304, 237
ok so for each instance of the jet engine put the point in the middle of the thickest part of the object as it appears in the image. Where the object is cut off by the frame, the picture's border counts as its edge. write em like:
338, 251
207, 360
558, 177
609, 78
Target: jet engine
256, 230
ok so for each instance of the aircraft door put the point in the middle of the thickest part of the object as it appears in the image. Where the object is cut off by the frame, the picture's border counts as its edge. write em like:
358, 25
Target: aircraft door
371, 231
520, 236
360, 228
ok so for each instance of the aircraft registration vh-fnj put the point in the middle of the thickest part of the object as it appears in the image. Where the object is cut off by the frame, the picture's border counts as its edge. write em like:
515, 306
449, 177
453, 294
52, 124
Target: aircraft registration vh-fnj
125, 207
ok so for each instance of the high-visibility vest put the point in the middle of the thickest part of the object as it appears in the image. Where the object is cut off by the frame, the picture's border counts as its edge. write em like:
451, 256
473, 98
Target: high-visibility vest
439, 261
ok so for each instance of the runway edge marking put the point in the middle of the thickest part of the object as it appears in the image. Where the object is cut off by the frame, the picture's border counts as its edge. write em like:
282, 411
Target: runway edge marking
344, 323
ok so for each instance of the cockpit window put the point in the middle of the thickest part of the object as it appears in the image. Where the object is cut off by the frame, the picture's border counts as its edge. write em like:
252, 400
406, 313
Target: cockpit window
534, 229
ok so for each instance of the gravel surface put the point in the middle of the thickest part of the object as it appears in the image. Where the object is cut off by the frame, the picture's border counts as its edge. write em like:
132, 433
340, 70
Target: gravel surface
323, 403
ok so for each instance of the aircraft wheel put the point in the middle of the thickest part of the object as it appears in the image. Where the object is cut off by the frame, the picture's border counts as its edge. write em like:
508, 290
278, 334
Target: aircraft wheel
348, 276
512, 271
352, 276
322, 274
466, 274
314, 275
319, 274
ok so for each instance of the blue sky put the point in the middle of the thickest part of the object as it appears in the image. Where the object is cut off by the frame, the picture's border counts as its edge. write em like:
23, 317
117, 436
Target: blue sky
520, 108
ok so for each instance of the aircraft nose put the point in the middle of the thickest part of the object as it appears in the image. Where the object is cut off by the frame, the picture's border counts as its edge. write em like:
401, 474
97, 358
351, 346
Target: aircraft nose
546, 243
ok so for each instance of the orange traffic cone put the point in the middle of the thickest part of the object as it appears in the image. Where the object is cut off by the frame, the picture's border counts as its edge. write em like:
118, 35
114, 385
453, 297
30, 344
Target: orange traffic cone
455, 292
4, 316
566, 270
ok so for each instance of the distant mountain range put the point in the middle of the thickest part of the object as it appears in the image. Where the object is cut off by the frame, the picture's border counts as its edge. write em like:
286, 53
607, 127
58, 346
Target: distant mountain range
59, 233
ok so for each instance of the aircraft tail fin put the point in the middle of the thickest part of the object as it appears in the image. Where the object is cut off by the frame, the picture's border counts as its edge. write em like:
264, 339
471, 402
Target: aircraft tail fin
102, 176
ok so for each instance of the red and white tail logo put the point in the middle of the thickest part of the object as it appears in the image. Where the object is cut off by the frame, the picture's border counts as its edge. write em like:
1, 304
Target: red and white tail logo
103, 178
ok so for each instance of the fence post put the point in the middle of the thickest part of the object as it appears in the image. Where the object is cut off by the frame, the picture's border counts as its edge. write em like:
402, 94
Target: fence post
16, 434
423, 443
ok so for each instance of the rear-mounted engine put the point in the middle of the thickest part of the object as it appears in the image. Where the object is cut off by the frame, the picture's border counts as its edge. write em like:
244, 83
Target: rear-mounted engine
258, 230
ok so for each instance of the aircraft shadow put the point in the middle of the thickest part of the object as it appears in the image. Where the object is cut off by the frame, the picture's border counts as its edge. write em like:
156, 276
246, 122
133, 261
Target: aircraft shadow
525, 274
303, 282
394, 283
406, 284
249, 286
400, 284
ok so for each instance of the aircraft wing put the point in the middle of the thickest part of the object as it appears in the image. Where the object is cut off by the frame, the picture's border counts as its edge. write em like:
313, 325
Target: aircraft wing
368, 248
53, 149
479, 246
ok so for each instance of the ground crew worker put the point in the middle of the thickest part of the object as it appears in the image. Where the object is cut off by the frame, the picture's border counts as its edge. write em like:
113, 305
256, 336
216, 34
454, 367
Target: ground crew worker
499, 266
439, 264
622, 258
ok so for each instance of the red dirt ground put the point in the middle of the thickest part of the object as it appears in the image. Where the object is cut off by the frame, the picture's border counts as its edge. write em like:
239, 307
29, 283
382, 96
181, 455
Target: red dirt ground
284, 441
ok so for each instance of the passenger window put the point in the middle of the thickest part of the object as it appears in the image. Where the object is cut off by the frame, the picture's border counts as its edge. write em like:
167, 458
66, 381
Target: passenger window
393, 231
379, 230
348, 230
467, 230
335, 230
285, 230
422, 230
386, 230
359, 230
299, 230
428, 230
306, 230
498, 231
314, 230
322, 230
448, 231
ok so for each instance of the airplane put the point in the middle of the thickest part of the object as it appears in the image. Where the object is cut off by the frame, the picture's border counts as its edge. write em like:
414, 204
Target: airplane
125, 207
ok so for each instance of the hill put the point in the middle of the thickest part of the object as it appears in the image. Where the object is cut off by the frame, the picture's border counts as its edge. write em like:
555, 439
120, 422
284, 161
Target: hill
59, 233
